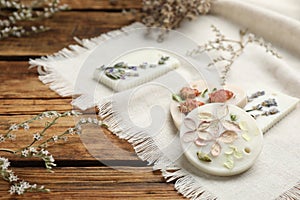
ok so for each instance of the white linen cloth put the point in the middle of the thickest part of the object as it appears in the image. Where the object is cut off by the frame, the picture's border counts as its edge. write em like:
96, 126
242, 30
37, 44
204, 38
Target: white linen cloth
275, 174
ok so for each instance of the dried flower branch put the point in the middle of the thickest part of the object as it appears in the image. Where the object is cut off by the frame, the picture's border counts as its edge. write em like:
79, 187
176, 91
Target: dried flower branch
231, 49
13, 13
168, 14
38, 147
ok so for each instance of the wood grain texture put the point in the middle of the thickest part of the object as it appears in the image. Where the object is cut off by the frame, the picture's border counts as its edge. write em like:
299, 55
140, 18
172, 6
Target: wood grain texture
18, 82
95, 183
64, 27
99, 4
95, 165
22, 95
104, 4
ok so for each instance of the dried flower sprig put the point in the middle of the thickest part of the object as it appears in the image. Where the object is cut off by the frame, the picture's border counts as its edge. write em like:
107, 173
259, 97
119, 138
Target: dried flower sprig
38, 147
231, 49
17, 186
122, 70
17, 12
266, 103
169, 14
256, 95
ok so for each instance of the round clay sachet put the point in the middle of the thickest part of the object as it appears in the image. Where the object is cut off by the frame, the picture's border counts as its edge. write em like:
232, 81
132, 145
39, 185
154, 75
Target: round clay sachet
221, 139
239, 99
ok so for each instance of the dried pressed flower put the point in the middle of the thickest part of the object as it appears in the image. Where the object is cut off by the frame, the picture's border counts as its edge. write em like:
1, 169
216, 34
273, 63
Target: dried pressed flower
203, 157
266, 103
256, 95
122, 70
207, 132
189, 93
189, 105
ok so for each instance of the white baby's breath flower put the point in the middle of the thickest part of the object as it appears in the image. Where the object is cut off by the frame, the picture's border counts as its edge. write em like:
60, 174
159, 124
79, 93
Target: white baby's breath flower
82, 120
74, 113
25, 152
11, 136
20, 188
51, 159
2, 138
12, 189
33, 28
89, 120
14, 127
4, 163
44, 152
54, 113
25, 185
46, 114
32, 150
26, 126
71, 130
55, 138
37, 136
12, 177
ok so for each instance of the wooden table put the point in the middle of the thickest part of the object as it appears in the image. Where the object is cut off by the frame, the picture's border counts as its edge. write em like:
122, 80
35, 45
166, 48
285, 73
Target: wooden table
22, 95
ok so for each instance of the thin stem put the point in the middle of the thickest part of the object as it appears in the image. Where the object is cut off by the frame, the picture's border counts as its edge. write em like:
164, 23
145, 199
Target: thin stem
43, 131
8, 132
232, 41
27, 121
51, 139
49, 125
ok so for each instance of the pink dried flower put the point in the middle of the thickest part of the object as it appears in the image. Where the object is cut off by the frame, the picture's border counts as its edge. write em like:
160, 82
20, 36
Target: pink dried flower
189, 93
189, 105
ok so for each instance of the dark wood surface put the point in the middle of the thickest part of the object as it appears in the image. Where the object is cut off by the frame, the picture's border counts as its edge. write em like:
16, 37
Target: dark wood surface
79, 175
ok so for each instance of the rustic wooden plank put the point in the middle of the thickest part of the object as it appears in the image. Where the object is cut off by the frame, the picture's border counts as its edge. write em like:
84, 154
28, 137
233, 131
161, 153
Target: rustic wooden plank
29, 87
22, 95
100, 4
19, 82
94, 143
32, 98
31, 106
104, 4
64, 27
96, 183
25, 87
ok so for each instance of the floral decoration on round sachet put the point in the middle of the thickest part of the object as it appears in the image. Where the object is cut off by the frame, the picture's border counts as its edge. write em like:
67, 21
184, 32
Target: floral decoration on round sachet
221, 139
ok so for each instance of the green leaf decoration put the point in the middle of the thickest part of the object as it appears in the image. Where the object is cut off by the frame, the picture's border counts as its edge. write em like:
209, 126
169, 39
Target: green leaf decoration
177, 98
203, 157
